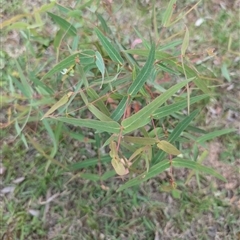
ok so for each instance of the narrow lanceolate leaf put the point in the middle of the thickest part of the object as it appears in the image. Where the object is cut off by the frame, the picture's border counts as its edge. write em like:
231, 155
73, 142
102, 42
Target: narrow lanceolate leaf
139, 140
142, 117
172, 108
65, 63
103, 126
168, 148
176, 133
168, 13
86, 56
110, 49
143, 74
185, 42
58, 104
65, 25
182, 126
26, 87
153, 171
98, 101
90, 162
214, 134
186, 163
100, 65
98, 114
119, 111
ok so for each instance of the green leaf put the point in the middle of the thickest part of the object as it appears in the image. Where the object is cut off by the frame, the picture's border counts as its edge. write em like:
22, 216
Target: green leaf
103, 23
176, 193
170, 45
58, 39
143, 74
168, 148
26, 90
159, 55
38, 147
65, 63
98, 114
182, 126
139, 140
214, 134
100, 64
40, 85
170, 109
172, 61
201, 83
167, 69
85, 57
98, 101
186, 163
90, 176
110, 49
103, 126
168, 13
65, 25
153, 171
58, 104
46, 7
225, 72
176, 133
185, 42
119, 111
142, 117
119, 167
91, 162
108, 174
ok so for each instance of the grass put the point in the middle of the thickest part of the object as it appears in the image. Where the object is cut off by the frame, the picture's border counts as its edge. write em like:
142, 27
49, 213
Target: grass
39, 200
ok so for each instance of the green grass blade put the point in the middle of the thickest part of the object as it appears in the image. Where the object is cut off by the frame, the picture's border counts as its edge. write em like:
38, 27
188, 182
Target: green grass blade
143, 74
110, 49
63, 24
103, 126
186, 163
49, 129
26, 90
142, 117
38, 147
212, 135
